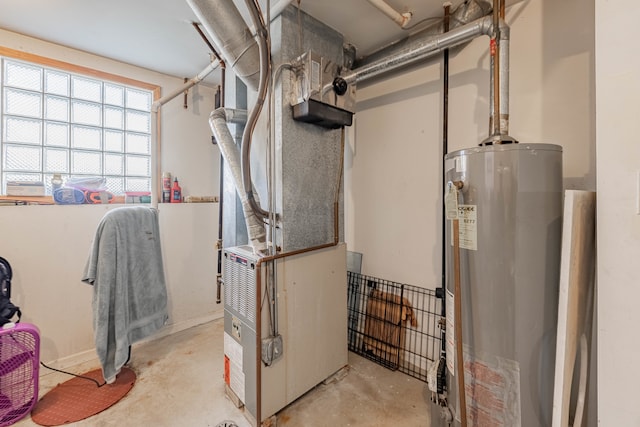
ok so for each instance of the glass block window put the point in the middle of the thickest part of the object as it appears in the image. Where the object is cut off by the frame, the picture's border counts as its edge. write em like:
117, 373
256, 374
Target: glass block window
53, 121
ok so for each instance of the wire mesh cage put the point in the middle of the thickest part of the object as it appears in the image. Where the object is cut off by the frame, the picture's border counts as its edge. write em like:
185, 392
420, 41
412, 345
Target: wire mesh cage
393, 324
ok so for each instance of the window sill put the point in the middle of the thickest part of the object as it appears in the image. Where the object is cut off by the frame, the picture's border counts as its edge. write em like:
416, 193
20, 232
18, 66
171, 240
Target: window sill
26, 200
117, 200
44, 200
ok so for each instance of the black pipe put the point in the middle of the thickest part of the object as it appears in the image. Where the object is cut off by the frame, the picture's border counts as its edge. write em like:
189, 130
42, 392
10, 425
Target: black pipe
221, 196
445, 149
219, 103
219, 244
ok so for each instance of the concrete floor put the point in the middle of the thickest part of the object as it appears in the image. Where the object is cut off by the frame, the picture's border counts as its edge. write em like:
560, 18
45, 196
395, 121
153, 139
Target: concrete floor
180, 384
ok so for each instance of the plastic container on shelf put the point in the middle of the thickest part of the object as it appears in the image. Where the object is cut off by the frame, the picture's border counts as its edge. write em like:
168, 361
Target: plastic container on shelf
176, 192
166, 187
68, 196
56, 182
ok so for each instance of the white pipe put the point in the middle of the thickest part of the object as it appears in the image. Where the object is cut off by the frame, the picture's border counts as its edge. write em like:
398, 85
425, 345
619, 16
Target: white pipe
155, 127
402, 19
187, 85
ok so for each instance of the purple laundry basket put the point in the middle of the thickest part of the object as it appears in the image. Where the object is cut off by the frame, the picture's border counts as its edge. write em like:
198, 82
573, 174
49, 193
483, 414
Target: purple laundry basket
19, 366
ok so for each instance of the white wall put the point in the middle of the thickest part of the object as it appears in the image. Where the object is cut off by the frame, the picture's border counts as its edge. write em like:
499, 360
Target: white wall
618, 127
393, 183
47, 246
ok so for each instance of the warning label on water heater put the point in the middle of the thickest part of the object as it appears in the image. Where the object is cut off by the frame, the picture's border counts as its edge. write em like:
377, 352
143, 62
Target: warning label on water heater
468, 223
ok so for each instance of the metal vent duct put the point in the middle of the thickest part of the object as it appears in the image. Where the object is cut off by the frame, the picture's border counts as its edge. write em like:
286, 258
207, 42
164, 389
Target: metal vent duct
230, 34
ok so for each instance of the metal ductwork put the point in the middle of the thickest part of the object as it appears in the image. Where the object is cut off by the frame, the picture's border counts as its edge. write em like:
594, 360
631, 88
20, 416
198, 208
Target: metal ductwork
230, 34
465, 13
248, 56
468, 21
420, 51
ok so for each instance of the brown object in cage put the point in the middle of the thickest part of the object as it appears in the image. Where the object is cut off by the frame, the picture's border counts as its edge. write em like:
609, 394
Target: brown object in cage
383, 329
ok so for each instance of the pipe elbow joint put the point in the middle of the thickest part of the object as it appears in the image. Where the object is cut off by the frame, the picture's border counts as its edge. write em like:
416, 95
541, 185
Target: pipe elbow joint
489, 30
406, 18
505, 30
218, 113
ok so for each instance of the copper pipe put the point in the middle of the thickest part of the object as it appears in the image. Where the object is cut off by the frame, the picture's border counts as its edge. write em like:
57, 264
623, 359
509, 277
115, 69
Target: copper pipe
258, 344
336, 199
458, 323
216, 54
208, 43
495, 53
495, 88
499, 113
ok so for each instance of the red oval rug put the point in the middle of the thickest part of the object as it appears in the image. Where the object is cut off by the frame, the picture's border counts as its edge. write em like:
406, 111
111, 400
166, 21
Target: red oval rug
79, 398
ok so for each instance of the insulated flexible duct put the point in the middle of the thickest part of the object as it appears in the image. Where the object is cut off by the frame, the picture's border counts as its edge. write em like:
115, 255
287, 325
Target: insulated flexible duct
230, 153
249, 58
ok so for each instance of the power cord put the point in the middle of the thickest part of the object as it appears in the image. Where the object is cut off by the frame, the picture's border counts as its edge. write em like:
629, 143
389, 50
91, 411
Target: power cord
75, 375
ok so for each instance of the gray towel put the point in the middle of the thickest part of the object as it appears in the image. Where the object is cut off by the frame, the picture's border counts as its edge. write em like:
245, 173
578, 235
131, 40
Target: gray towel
130, 295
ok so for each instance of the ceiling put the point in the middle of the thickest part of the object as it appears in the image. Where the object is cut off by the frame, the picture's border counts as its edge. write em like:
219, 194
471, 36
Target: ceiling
159, 35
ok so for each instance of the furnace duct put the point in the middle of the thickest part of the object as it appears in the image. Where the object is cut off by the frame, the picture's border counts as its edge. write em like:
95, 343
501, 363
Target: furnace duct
230, 34
248, 55
249, 58
230, 152
420, 51
468, 11
468, 21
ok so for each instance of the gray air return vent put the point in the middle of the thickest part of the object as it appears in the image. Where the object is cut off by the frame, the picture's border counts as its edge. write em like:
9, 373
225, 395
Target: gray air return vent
239, 276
